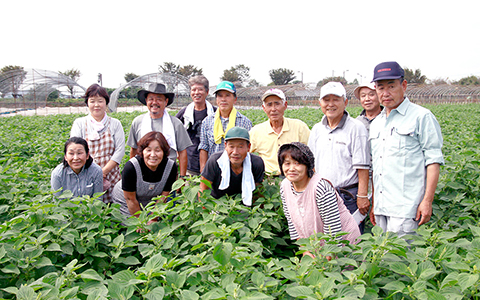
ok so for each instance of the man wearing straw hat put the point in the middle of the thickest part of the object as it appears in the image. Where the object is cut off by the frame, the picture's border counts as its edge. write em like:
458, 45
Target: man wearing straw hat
156, 98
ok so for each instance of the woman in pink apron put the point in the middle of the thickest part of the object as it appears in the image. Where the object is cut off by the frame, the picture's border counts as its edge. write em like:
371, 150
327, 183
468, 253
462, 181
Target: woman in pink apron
310, 203
105, 137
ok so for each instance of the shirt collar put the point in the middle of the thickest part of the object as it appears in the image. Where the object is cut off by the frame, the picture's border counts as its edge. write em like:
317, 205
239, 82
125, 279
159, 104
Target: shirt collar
342, 121
285, 126
402, 108
70, 171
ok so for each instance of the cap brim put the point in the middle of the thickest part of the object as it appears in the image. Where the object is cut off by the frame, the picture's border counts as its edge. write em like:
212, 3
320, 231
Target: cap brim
271, 94
237, 138
224, 89
386, 78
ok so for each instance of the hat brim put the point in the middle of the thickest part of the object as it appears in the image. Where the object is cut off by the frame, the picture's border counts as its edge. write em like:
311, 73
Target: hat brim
271, 94
224, 89
237, 138
356, 91
142, 96
386, 78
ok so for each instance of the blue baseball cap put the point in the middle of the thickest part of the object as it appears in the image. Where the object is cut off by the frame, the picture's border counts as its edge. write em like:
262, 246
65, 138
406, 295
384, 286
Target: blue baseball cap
388, 70
226, 86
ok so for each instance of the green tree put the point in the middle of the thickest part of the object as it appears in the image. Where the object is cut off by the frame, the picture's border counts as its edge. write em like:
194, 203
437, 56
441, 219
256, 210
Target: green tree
281, 76
73, 74
239, 73
169, 67
470, 80
130, 76
190, 71
11, 77
416, 76
325, 80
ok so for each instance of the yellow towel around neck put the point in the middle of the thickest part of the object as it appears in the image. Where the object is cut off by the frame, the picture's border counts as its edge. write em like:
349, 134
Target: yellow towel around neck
218, 132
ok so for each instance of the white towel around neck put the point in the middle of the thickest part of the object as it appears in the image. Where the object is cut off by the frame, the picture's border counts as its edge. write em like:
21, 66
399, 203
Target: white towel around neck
188, 117
94, 127
248, 183
167, 128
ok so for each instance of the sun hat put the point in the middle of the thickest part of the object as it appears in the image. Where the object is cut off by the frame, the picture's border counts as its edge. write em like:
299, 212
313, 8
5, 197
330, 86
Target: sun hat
226, 86
155, 88
388, 70
237, 133
369, 85
307, 153
274, 92
333, 88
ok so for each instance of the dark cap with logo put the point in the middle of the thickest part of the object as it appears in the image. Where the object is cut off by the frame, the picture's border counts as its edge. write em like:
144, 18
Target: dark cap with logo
388, 70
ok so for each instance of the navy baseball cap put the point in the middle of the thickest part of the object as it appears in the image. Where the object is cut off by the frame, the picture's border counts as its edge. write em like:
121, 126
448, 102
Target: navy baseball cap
388, 70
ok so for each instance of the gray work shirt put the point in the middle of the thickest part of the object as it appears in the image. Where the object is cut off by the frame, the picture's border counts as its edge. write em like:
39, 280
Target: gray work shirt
88, 182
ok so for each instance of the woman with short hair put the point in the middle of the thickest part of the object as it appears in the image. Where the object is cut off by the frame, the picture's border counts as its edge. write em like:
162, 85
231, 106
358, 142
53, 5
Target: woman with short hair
147, 175
78, 172
311, 203
105, 137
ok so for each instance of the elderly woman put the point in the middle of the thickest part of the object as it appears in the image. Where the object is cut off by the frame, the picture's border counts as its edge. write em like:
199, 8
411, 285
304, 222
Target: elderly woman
310, 203
77, 173
105, 137
147, 175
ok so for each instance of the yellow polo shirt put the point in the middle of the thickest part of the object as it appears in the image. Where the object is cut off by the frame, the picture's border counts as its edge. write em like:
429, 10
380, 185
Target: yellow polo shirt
266, 142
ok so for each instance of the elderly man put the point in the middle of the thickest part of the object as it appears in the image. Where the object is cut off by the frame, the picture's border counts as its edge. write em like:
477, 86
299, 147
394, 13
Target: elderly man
234, 170
192, 116
214, 127
340, 146
406, 143
267, 137
156, 98
369, 101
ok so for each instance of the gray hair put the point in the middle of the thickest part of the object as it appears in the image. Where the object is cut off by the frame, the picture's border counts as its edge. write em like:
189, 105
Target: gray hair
199, 79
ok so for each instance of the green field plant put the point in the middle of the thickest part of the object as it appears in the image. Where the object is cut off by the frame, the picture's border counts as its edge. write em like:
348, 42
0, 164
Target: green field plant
204, 248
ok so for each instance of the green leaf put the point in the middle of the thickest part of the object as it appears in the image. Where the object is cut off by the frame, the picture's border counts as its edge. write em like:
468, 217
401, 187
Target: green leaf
70, 293
129, 261
175, 279
155, 263
394, 286
91, 274
299, 291
53, 247
428, 274
26, 293
399, 268
258, 278
189, 295
42, 262
10, 268
222, 253
255, 295
156, 294
466, 280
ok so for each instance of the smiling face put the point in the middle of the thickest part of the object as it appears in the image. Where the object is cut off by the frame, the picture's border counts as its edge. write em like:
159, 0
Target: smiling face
274, 108
76, 157
97, 105
369, 99
294, 171
156, 104
391, 92
237, 150
153, 155
198, 93
225, 101
333, 107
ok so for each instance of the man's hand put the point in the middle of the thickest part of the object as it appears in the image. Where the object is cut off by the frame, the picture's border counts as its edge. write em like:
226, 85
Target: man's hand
363, 205
424, 212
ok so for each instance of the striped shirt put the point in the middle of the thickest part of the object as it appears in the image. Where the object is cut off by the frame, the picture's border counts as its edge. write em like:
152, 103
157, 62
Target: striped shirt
207, 142
326, 199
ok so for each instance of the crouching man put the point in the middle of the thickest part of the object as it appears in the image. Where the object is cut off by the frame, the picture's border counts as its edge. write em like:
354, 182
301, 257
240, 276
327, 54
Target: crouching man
234, 170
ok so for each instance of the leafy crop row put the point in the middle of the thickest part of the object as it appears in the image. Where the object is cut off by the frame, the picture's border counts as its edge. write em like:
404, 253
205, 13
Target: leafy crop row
217, 249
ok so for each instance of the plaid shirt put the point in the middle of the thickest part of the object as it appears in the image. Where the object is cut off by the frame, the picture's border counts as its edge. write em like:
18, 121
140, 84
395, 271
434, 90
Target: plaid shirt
207, 141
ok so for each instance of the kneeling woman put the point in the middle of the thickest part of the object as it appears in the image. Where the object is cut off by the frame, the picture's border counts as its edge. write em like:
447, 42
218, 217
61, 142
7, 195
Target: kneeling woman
147, 175
77, 173
310, 203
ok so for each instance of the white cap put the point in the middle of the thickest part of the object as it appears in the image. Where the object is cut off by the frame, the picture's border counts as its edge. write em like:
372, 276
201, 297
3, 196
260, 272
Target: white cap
274, 92
333, 88
369, 85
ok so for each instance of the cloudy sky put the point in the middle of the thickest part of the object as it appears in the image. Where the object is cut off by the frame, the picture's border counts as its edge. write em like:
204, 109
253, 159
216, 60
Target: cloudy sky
314, 38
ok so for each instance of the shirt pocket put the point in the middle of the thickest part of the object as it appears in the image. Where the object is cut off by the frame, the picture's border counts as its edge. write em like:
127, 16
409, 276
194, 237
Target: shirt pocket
89, 189
405, 138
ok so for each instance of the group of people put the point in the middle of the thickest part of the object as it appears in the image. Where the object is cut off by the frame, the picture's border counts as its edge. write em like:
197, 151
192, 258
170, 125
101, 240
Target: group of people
384, 163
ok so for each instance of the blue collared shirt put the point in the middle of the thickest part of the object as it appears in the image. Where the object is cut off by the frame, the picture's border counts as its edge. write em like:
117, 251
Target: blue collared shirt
207, 142
403, 145
88, 182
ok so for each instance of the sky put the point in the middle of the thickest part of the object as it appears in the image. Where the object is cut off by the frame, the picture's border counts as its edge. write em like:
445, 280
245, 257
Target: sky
315, 39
